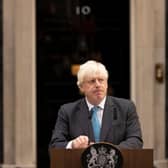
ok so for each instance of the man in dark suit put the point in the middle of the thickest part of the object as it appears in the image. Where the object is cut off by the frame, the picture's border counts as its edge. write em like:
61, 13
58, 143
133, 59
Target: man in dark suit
117, 117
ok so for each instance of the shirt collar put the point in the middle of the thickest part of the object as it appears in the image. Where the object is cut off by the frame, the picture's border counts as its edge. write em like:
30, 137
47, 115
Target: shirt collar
101, 105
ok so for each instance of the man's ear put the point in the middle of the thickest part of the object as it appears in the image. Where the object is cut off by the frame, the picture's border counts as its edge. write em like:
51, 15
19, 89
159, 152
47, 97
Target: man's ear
81, 89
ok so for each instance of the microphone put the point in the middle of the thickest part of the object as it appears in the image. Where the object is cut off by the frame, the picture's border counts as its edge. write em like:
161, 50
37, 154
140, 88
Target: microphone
90, 114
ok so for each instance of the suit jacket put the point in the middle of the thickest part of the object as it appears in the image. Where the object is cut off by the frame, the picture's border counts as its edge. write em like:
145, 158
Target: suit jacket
120, 124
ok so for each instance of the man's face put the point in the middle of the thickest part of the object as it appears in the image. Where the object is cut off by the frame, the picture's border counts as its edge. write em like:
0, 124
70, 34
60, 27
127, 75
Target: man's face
94, 88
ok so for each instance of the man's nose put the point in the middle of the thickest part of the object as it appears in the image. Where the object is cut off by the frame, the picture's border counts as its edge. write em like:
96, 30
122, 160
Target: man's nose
97, 82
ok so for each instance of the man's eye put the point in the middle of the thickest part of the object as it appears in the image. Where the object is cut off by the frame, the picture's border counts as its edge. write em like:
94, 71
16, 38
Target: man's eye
92, 81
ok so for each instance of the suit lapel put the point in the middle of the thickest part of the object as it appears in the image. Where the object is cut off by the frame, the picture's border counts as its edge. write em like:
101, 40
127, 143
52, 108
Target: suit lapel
108, 118
84, 121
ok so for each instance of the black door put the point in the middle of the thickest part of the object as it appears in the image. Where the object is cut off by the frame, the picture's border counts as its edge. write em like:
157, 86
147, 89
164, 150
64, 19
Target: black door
69, 32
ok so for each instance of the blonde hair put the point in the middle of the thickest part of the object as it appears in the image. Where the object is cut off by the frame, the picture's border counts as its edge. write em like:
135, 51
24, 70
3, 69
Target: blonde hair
90, 69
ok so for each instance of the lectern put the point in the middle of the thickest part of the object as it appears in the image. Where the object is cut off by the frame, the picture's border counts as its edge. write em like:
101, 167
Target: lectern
71, 158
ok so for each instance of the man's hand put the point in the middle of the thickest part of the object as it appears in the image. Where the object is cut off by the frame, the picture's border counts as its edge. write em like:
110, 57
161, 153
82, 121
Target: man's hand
81, 141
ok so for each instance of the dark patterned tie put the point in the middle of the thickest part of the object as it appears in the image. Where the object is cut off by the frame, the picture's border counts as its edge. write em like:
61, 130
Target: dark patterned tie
95, 123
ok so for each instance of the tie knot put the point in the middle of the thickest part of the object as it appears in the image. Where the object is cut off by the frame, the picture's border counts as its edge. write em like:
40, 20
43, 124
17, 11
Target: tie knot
95, 109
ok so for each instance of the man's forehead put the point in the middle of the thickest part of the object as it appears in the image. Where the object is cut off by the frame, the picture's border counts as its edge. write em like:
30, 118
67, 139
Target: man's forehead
94, 76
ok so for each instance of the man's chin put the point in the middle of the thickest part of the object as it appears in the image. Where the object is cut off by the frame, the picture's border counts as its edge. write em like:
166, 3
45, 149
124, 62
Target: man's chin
99, 97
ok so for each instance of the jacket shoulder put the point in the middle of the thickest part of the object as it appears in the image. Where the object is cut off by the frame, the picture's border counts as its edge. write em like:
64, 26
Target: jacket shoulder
120, 101
73, 104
